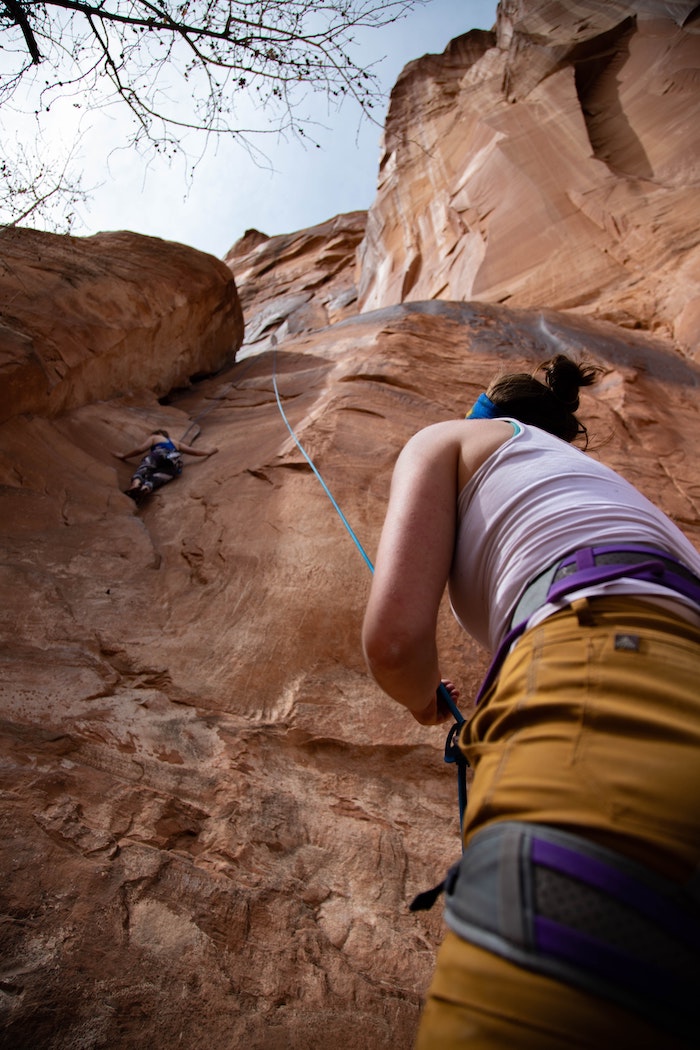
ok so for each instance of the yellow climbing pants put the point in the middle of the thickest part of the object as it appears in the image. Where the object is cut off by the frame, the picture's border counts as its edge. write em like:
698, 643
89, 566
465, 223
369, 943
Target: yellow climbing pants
593, 726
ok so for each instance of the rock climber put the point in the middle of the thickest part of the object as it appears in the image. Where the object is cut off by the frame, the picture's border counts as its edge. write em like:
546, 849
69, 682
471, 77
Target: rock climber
161, 464
573, 915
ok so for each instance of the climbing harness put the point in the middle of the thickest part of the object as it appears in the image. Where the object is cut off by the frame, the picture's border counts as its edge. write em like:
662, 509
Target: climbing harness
453, 755
166, 455
561, 905
580, 569
588, 567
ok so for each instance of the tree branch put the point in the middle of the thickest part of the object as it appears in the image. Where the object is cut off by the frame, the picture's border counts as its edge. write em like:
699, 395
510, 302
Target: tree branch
19, 17
181, 66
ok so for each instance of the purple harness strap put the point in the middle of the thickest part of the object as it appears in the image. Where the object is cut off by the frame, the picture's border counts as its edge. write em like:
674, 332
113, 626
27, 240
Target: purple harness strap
578, 948
610, 964
659, 568
584, 570
618, 884
559, 904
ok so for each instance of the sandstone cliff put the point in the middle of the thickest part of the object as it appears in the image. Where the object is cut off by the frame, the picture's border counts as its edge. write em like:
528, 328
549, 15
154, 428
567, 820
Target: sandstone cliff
212, 821
553, 162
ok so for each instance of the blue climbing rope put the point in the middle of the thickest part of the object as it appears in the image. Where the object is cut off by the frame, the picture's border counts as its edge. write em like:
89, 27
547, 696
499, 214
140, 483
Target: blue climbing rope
308, 459
452, 751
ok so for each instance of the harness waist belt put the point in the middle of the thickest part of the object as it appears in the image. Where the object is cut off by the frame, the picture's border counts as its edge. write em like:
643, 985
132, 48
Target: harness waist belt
593, 565
560, 905
587, 567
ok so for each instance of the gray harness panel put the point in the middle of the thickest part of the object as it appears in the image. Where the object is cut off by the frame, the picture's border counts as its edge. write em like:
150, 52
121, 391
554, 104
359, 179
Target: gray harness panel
560, 905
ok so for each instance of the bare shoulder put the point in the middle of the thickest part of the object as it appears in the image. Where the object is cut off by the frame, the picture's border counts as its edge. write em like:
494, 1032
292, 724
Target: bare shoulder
469, 441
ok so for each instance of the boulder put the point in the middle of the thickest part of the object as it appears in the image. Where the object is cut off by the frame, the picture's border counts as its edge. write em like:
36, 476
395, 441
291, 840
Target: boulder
87, 318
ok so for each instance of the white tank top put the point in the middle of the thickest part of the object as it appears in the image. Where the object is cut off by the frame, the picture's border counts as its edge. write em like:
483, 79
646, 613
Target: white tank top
534, 500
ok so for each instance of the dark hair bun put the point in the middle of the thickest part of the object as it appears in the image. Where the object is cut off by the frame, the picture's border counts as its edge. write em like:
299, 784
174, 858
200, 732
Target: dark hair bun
564, 378
550, 405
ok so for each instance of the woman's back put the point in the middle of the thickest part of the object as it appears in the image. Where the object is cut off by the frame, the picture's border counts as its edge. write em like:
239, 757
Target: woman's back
534, 500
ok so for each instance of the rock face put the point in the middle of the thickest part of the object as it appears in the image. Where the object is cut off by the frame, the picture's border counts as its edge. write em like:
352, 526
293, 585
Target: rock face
97, 317
299, 281
212, 821
553, 162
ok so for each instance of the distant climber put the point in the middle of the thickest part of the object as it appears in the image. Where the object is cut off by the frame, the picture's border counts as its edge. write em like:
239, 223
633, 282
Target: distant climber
161, 464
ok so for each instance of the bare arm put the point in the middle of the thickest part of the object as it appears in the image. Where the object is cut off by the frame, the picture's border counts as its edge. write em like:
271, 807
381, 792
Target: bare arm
412, 566
414, 560
190, 451
143, 447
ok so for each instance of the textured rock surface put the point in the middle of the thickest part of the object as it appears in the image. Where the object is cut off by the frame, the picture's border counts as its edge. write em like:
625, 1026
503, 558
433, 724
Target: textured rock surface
95, 317
297, 282
211, 820
553, 162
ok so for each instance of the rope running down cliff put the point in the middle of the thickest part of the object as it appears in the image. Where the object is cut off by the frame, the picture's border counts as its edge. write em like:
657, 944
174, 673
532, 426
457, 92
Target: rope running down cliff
452, 752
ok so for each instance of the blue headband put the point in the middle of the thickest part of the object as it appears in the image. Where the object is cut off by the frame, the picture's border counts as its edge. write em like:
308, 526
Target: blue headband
483, 408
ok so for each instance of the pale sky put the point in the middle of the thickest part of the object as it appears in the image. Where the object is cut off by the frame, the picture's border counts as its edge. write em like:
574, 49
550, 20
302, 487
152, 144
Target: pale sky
230, 194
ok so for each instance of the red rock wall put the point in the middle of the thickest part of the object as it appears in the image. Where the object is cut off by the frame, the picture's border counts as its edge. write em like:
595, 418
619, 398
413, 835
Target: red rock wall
212, 821
554, 163
86, 318
296, 282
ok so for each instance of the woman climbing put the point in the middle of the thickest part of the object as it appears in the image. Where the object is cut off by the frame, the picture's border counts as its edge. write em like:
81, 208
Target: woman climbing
573, 916
162, 463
